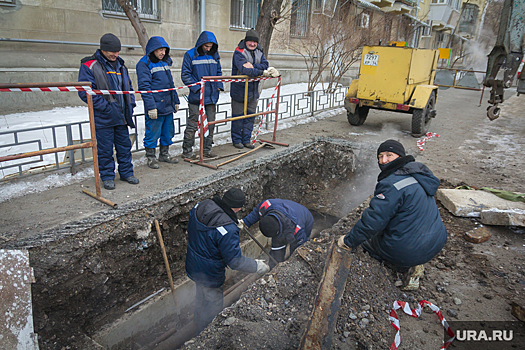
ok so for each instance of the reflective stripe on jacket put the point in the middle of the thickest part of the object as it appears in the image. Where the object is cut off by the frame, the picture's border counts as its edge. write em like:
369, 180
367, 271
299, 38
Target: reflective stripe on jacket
110, 110
403, 218
156, 76
213, 244
260, 64
197, 64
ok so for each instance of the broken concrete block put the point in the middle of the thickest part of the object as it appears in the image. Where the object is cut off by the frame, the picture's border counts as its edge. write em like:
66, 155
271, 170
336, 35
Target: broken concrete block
477, 235
468, 203
16, 276
511, 217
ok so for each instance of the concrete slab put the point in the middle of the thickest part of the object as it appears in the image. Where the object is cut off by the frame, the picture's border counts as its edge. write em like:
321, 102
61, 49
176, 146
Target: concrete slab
491, 209
16, 276
510, 217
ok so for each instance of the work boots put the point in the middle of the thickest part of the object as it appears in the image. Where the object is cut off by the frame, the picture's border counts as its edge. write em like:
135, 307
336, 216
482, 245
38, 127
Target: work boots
152, 160
164, 155
412, 279
207, 148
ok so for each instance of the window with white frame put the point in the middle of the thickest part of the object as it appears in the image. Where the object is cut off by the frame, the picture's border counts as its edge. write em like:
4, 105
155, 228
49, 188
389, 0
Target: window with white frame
362, 20
147, 9
317, 6
325, 7
438, 1
244, 13
299, 17
427, 30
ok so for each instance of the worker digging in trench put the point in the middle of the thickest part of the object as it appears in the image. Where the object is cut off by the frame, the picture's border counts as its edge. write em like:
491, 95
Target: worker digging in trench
213, 244
402, 226
285, 222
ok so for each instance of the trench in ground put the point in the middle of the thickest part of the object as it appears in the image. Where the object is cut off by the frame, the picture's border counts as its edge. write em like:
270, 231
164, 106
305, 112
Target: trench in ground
88, 273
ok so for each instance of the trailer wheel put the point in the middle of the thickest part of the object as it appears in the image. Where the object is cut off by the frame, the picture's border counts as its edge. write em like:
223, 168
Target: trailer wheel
421, 117
359, 117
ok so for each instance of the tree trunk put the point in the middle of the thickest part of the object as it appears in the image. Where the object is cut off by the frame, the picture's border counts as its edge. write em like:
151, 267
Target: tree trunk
135, 22
268, 17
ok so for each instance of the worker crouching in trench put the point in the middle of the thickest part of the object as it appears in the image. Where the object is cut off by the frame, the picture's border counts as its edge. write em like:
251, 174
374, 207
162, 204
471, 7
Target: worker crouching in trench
285, 222
402, 226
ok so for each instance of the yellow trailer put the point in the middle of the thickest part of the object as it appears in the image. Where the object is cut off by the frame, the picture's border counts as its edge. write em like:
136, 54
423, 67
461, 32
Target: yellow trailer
398, 79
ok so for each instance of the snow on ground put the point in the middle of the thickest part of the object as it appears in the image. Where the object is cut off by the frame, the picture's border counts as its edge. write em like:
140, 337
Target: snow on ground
57, 116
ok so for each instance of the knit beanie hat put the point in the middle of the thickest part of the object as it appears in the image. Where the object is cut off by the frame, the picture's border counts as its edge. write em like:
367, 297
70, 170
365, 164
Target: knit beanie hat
110, 42
234, 198
252, 35
269, 226
392, 146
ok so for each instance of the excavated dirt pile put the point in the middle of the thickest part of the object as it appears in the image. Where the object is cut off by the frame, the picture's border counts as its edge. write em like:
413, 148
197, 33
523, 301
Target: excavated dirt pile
466, 281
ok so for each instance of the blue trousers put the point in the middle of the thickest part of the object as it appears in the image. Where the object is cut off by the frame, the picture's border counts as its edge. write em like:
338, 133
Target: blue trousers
106, 138
162, 128
241, 130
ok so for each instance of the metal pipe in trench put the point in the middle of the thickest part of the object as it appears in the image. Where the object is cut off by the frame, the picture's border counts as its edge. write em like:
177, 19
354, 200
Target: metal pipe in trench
175, 338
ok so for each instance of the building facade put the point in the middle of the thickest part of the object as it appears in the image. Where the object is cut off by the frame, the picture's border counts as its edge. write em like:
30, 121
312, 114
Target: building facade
44, 40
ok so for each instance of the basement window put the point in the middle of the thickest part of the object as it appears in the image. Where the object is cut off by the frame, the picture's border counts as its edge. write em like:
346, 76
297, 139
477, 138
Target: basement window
7, 2
147, 9
244, 13
299, 18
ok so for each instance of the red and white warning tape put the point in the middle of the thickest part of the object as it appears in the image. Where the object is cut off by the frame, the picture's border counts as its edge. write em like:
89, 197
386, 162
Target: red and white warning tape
90, 91
267, 109
203, 120
116, 92
394, 320
44, 89
421, 142
240, 80
202, 112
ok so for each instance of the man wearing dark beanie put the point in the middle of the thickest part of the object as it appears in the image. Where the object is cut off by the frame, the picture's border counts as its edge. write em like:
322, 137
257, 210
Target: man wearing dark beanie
284, 221
248, 59
213, 244
402, 226
110, 42
113, 113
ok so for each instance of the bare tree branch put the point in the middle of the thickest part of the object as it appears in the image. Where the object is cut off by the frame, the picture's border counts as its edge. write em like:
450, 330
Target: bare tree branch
133, 16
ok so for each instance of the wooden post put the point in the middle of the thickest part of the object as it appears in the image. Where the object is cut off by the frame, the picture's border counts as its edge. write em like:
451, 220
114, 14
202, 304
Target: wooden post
93, 141
166, 262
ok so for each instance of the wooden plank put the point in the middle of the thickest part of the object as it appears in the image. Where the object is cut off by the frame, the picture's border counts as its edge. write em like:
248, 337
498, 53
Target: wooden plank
318, 334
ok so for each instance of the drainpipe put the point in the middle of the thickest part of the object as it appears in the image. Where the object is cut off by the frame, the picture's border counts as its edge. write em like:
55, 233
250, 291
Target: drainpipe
203, 16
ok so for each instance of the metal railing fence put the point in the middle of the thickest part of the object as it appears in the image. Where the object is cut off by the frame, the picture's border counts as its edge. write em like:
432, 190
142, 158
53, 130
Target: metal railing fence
59, 135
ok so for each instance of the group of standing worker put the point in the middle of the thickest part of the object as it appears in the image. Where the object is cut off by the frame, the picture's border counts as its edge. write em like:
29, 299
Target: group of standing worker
402, 226
114, 112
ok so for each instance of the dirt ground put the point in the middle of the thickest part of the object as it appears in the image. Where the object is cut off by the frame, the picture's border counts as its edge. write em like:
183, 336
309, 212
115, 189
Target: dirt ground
467, 281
